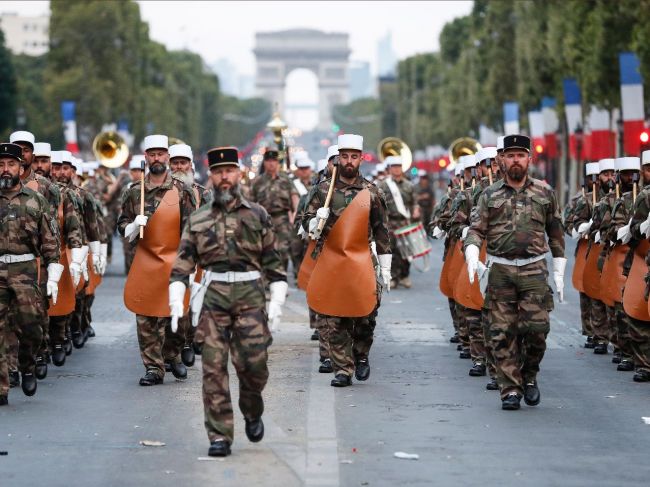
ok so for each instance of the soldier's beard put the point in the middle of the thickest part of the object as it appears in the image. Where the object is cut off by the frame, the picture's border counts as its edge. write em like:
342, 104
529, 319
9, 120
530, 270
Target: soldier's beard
223, 197
64, 179
187, 178
7, 181
157, 168
516, 173
349, 171
40, 172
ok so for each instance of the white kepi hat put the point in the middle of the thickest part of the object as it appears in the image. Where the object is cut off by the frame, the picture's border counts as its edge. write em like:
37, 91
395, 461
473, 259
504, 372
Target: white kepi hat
606, 165
180, 150
332, 150
322, 164
467, 161
22, 136
66, 156
305, 162
393, 161
155, 142
136, 162
55, 157
459, 167
350, 141
42, 149
592, 168
500, 142
645, 157
485, 153
628, 164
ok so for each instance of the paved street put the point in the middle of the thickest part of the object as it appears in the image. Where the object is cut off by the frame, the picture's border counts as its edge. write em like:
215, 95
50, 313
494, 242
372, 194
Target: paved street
85, 423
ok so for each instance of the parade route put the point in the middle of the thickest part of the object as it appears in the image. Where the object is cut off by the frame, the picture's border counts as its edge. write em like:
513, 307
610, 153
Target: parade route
86, 423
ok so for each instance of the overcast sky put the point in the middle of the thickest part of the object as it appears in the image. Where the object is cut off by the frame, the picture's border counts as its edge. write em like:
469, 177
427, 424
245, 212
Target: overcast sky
227, 29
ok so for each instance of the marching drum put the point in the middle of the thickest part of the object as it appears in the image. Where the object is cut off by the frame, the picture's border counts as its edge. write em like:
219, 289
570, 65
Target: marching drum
413, 244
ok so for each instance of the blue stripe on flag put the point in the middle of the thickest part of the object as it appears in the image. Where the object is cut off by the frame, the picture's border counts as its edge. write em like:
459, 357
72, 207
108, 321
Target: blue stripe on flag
548, 102
629, 66
67, 111
511, 111
571, 90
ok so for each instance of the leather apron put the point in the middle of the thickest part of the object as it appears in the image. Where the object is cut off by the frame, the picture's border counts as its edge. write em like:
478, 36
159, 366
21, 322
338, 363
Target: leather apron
634, 302
612, 280
591, 275
65, 301
469, 295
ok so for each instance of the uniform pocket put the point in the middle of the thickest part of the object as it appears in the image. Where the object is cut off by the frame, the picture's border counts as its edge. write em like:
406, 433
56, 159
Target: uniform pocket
539, 207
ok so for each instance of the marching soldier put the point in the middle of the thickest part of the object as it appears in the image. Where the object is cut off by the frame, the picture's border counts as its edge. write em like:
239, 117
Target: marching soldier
273, 190
232, 239
135, 175
402, 210
514, 216
168, 203
28, 232
349, 338
302, 183
425, 197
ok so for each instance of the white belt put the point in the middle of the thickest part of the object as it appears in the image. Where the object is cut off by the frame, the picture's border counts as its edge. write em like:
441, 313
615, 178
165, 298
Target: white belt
234, 276
492, 259
14, 259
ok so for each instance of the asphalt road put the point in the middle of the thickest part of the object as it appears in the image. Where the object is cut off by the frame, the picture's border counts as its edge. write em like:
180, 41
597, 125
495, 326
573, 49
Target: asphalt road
85, 425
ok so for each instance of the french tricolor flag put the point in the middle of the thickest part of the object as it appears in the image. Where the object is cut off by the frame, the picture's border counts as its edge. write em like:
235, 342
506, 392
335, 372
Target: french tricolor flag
600, 141
69, 126
551, 126
536, 125
511, 118
573, 110
632, 102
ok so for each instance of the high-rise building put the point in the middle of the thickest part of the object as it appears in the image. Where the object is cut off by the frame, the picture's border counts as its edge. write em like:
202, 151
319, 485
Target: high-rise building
361, 85
386, 58
26, 35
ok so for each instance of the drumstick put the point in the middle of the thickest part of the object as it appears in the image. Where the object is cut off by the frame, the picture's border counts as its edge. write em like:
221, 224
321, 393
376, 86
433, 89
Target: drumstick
142, 197
330, 191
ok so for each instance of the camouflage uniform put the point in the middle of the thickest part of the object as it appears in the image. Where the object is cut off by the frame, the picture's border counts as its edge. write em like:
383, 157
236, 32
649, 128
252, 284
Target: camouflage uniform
233, 317
400, 266
426, 200
26, 227
342, 331
158, 344
127, 247
275, 195
639, 331
514, 224
299, 244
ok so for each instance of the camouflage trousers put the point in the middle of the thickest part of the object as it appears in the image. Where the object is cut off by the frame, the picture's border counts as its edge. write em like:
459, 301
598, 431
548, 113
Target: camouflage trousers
489, 356
298, 248
157, 343
283, 236
463, 326
129, 254
349, 340
320, 323
233, 321
639, 333
621, 332
473, 319
58, 326
454, 315
600, 321
585, 315
518, 301
399, 267
20, 294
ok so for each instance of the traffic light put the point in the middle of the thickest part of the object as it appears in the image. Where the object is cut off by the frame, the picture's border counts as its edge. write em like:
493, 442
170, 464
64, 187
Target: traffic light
644, 139
539, 149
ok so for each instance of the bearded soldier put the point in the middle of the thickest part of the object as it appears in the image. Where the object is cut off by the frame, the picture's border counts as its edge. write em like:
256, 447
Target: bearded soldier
273, 190
514, 216
232, 240
28, 232
349, 336
135, 175
168, 203
402, 210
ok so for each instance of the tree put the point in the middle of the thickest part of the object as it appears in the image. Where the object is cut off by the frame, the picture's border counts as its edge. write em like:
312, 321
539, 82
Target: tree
363, 117
8, 89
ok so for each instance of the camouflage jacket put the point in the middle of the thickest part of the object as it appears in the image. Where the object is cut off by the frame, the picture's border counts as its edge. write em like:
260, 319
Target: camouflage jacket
444, 216
302, 203
640, 212
462, 205
72, 232
395, 218
621, 213
602, 216
27, 227
87, 209
425, 199
569, 212
274, 194
153, 195
204, 194
238, 239
47, 189
341, 197
515, 222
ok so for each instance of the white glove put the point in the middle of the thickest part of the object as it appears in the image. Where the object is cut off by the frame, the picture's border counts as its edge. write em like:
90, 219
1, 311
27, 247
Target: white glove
574, 234
559, 264
94, 251
84, 264
176, 297
385, 261
463, 234
471, 257
78, 256
278, 297
624, 234
583, 228
323, 213
597, 237
645, 227
132, 230
103, 254
438, 233
54, 272
314, 232
301, 232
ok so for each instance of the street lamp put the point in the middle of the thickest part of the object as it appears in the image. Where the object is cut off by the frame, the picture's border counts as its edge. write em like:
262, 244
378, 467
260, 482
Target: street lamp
276, 126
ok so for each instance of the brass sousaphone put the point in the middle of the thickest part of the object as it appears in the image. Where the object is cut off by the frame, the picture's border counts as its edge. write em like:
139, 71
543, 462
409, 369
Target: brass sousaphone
392, 146
110, 149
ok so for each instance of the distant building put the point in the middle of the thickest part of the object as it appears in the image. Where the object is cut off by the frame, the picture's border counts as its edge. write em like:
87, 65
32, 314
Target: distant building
246, 86
386, 58
26, 35
228, 78
361, 83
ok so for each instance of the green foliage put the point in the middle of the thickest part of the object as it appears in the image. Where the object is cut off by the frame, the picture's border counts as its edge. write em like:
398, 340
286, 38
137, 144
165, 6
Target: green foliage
363, 117
7, 88
241, 120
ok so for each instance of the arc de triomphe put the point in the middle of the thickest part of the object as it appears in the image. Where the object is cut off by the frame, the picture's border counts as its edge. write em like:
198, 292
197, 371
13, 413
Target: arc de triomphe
325, 54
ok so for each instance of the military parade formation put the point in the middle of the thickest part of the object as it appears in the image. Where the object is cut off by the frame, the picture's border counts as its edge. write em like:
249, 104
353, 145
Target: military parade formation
207, 267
